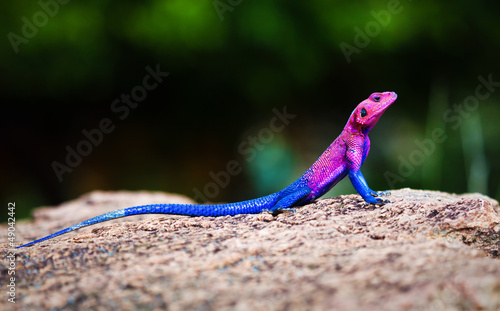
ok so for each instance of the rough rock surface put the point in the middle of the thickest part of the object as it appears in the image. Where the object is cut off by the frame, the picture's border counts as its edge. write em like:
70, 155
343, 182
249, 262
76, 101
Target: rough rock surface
425, 250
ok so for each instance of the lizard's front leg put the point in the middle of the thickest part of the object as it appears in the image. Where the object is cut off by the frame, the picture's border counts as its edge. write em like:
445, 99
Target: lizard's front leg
355, 154
361, 186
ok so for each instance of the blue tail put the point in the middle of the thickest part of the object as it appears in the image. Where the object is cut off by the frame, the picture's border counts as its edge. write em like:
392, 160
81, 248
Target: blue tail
246, 207
296, 193
88, 222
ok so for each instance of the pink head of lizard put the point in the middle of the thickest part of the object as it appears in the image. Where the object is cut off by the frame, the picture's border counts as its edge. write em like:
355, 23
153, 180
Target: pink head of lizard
369, 111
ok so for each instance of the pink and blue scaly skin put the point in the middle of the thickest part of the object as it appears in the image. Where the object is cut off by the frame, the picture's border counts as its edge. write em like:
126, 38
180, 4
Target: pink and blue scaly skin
343, 157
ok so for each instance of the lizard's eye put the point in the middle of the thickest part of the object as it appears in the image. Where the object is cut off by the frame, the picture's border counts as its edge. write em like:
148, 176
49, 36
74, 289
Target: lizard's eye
363, 113
376, 98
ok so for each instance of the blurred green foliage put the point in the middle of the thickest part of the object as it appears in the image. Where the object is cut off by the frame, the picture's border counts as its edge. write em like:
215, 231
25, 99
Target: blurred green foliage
230, 63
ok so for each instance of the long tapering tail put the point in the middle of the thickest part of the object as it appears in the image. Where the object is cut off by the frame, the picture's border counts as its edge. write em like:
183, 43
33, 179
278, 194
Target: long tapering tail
245, 207
88, 222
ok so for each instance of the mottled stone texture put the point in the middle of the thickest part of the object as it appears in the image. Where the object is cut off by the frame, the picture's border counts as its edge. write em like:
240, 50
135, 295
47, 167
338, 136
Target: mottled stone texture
425, 250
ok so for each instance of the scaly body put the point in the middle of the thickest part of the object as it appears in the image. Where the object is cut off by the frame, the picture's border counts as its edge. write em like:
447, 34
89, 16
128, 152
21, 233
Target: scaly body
342, 158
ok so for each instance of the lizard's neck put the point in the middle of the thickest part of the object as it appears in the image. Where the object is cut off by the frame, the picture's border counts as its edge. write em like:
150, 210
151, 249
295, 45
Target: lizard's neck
354, 128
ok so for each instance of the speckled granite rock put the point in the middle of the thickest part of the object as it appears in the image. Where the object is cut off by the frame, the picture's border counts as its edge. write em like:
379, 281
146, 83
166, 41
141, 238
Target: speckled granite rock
425, 250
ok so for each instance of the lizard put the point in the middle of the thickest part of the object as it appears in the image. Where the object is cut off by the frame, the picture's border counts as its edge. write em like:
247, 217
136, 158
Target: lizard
342, 158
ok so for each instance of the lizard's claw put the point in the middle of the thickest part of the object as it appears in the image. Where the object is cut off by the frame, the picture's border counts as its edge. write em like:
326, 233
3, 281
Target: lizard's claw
283, 210
280, 210
380, 193
382, 202
377, 201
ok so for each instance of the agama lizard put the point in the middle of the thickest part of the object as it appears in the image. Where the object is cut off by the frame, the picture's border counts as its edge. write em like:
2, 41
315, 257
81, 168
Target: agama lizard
343, 157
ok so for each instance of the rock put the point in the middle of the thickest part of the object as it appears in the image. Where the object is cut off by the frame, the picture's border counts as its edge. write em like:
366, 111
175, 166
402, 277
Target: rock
425, 250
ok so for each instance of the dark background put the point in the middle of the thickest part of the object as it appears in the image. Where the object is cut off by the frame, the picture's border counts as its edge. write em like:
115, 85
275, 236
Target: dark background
230, 64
